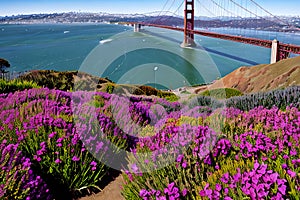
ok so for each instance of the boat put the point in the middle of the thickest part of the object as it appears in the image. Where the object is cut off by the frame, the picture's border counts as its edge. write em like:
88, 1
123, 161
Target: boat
105, 41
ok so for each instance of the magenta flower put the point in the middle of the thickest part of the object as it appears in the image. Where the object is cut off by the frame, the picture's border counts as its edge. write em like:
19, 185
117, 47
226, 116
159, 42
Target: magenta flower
134, 168
144, 193
37, 158
59, 145
75, 158
225, 178
184, 192
291, 173
51, 135
179, 158
285, 157
262, 169
284, 166
59, 140
93, 163
184, 164
282, 189
293, 152
57, 161
218, 187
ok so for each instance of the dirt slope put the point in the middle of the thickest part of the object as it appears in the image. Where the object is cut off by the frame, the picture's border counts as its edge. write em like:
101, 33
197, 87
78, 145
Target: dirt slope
261, 77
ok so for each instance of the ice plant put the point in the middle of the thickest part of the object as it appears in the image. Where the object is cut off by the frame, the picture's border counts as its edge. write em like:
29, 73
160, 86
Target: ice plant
17, 178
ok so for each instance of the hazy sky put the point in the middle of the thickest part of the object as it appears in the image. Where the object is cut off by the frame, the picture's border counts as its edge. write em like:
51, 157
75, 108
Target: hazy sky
14, 7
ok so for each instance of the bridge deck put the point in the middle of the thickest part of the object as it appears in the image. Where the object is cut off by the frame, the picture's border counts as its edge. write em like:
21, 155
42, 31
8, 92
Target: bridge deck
254, 41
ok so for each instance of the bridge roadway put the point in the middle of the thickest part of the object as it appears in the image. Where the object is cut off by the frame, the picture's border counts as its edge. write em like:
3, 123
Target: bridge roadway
284, 49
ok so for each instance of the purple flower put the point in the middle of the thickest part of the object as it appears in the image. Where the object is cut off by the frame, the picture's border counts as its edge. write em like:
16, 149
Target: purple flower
281, 181
284, 166
51, 135
285, 157
134, 168
264, 158
93, 163
273, 177
75, 158
37, 158
226, 190
144, 193
184, 192
59, 145
252, 193
57, 161
218, 187
39, 152
262, 169
179, 158
293, 152
59, 140
184, 164
282, 189
169, 188
291, 173
225, 178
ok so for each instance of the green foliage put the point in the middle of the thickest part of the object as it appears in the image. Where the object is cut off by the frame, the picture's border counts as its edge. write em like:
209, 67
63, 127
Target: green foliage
222, 93
201, 100
109, 88
170, 96
16, 85
66, 81
70, 174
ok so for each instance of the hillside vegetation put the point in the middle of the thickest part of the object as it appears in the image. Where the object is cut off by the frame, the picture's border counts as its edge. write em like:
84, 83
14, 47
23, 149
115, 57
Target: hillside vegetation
75, 81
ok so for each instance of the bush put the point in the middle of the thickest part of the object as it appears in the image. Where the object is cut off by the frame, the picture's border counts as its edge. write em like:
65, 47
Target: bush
201, 100
16, 85
148, 90
279, 98
222, 93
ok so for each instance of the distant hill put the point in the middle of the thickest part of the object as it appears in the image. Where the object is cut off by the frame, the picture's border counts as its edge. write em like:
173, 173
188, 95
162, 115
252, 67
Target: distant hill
263, 77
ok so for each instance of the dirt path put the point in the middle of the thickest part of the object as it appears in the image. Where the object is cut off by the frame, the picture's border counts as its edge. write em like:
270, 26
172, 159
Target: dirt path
111, 191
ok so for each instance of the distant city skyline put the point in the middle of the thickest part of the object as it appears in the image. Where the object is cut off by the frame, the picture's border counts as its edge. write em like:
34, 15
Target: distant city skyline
15, 7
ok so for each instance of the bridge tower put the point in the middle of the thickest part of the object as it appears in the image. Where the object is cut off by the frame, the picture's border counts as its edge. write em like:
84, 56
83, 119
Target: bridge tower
278, 52
188, 40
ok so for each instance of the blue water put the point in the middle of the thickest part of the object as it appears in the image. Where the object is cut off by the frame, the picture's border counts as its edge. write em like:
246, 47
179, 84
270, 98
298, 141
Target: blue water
151, 57
51, 46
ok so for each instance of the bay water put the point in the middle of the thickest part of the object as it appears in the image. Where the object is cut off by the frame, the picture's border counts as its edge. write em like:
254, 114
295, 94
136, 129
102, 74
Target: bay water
151, 57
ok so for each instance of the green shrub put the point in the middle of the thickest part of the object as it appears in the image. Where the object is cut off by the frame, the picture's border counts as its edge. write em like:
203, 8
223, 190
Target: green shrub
170, 96
16, 85
222, 93
201, 100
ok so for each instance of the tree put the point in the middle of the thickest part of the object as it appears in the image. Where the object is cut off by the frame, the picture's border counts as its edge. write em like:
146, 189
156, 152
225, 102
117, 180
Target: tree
3, 63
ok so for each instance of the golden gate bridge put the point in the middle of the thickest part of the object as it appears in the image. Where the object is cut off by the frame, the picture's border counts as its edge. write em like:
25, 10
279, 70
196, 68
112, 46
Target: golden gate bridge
242, 9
